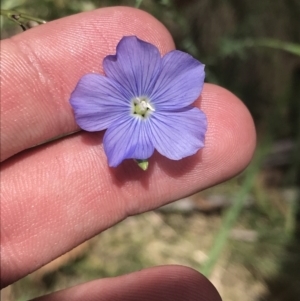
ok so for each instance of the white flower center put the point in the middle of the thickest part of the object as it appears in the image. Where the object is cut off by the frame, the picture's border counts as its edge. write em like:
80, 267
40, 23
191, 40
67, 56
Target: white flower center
141, 106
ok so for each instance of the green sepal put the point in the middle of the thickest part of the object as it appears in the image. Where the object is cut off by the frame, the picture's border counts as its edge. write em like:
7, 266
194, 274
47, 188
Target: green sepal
143, 164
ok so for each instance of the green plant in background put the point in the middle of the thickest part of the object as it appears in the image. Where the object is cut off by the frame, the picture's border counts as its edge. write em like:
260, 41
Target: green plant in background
236, 47
230, 219
21, 18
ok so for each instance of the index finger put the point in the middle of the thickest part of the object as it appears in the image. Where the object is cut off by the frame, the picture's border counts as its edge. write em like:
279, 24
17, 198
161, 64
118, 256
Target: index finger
41, 67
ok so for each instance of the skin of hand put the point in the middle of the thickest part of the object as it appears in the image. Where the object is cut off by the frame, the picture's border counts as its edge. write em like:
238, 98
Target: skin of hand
57, 195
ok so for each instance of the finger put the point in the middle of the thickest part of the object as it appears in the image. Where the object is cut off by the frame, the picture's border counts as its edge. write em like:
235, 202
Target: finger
61, 194
170, 283
41, 67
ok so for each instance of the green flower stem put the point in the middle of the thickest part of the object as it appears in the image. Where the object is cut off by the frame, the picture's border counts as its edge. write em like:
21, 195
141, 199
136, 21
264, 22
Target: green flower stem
277, 44
143, 164
16, 16
56, 138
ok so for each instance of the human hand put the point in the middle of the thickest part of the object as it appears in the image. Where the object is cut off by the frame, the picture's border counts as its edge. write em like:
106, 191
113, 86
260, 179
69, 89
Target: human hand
57, 195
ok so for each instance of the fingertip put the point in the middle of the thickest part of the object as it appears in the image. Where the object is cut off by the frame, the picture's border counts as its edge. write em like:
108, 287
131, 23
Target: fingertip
168, 283
198, 286
231, 136
172, 283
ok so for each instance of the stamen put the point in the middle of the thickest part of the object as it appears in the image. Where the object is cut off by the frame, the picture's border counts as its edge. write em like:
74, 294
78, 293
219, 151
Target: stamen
142, 106
150, 107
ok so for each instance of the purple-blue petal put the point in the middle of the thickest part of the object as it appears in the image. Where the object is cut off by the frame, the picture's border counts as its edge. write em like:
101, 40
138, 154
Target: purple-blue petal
178, 134
127, 139
135, 65
179, 83
98, 102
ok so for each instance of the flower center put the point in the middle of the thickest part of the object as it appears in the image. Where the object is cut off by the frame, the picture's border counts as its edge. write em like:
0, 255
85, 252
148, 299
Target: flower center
141, 106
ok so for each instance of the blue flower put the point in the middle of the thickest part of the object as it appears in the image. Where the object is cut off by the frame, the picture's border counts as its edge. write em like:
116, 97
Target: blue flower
144, 102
